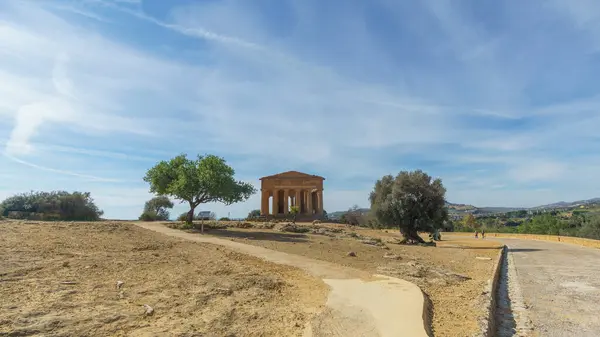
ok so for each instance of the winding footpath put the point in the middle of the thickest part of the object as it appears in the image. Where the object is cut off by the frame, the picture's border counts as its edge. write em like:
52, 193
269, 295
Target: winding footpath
552, 287
359, 304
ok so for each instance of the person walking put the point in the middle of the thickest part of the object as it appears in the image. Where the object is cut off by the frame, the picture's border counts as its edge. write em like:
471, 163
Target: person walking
483, 234
476, 234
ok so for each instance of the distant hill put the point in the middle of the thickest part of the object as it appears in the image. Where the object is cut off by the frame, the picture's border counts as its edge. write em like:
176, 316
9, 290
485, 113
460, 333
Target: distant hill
565, 204
458, 209
338, 214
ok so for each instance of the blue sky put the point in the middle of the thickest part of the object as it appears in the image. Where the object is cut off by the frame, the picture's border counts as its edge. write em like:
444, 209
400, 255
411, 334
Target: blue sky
498, 98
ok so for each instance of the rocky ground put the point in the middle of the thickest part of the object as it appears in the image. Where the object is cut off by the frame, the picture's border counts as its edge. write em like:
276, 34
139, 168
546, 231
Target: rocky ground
62, 279
453, 274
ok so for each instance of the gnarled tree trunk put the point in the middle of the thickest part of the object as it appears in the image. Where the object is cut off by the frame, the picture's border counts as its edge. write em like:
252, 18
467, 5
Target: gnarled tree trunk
411, 237
190, 215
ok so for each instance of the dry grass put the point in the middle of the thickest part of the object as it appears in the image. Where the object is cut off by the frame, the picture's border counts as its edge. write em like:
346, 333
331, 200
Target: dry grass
195, 289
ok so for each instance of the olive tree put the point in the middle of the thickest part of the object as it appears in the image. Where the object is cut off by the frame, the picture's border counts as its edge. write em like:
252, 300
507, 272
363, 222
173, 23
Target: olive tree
412, 201
157, 209
203, 180
294, 210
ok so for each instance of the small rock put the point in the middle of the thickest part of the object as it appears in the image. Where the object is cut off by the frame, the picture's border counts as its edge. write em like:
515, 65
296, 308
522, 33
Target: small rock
391, 256
120, 284
457, 277
149, 310
438, 281
65, 264
222, 291
111, 319
353, 254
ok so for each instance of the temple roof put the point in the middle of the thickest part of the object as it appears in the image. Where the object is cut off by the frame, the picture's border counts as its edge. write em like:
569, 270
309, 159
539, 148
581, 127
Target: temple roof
292, 175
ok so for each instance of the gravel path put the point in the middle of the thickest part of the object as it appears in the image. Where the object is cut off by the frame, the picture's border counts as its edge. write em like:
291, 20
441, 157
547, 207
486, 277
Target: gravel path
559, 284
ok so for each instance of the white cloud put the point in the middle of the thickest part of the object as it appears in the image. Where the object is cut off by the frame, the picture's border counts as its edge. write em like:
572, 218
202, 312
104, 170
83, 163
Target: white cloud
49, 169
333, 97
537, 171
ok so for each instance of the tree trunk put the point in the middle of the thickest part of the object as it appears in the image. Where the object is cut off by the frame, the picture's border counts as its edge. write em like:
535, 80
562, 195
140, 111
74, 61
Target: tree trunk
411, 237
190, 215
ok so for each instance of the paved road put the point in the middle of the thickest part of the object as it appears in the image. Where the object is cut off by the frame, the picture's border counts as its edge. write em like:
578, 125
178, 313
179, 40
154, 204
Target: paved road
560, 284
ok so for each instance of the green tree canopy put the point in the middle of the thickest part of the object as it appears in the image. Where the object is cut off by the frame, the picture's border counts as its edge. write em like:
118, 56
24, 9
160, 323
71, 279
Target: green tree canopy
55, 205
413, 201
203, 180
294, 210
157, 208
255, 213
469, 221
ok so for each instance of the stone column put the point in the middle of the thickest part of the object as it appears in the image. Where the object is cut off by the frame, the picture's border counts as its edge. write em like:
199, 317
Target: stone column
309, 205
297, 200
320, 199
286, 196
275, 202
264, 203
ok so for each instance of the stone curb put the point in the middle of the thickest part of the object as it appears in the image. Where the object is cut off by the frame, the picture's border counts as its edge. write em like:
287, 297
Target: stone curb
487, 321
427, 314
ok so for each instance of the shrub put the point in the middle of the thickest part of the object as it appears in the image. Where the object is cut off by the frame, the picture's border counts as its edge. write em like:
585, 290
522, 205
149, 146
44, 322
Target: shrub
255, 213
149, 216
224, 219
55, 205
591, 229
182, 217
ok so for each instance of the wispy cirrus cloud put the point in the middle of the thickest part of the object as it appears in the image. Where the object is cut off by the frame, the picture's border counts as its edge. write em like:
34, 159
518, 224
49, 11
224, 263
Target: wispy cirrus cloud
351, 91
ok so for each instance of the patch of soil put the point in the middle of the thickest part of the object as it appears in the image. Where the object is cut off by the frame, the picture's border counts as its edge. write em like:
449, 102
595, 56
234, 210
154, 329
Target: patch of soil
450, 274
60, 279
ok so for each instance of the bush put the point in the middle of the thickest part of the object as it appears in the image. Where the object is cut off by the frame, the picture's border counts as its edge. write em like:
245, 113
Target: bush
55, 205
591, 229
224, 219
254, 213
182, 217
150, 216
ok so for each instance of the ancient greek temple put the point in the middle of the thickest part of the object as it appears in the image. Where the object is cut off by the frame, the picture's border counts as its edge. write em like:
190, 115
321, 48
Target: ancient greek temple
292, 188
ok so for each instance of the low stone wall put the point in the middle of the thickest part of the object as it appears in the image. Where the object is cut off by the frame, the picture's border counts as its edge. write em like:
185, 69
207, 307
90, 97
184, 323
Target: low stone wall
487, 322
555, 238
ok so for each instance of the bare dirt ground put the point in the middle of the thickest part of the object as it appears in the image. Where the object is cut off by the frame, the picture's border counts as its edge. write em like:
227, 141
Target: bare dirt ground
60, 279
450, 274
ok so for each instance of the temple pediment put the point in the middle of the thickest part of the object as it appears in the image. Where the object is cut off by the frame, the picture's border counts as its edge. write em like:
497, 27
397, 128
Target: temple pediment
292, 175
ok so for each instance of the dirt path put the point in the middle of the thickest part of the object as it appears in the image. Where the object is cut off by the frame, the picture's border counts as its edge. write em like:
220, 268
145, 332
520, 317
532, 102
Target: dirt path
358, 304
559, 284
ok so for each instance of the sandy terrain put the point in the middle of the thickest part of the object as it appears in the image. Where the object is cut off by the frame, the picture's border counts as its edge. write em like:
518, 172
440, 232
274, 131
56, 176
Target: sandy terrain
359, 303
439, 271
60, 279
